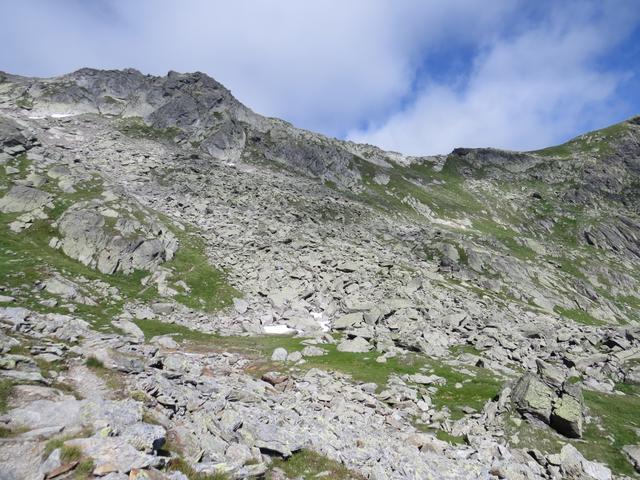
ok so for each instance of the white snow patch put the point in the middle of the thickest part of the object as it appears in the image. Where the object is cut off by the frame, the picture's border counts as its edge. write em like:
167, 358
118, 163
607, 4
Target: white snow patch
52, 115
323, 322
277, 329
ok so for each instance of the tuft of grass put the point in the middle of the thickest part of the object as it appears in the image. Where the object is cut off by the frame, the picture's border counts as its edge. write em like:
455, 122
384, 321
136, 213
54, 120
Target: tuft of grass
6, 386
309, 464
110, 100
578, 316
69, 453
113, 380
135, 127
84, 469
58, 443
139, 396
180, 465
93, 362
25, 102
452, 439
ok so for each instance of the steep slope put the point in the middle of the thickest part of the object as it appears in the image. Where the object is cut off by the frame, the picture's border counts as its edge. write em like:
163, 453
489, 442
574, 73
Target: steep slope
136, 206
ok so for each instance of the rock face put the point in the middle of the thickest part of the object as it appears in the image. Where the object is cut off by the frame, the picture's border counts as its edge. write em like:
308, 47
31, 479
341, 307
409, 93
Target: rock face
531, 396
23, 199
575, 467
567, 415
633, 452
86, 238
561, 408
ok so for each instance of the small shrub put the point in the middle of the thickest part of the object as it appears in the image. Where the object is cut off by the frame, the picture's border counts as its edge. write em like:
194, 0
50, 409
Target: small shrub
179, 465
84, 468
6, 386
139, 396
93, 362
70, 453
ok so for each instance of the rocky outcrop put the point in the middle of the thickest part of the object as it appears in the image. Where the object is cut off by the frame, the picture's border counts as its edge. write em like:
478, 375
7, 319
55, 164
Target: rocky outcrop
633, 453
128, 246
561, 408
23, 199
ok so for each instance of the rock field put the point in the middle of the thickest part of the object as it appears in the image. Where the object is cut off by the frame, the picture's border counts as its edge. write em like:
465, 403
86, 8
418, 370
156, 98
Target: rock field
189, 290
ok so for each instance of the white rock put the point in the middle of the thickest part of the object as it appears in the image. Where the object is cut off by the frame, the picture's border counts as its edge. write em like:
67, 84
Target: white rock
279, 355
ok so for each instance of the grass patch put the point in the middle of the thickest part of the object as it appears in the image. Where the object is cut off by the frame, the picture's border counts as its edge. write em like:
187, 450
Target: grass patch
452, 439
506, 236
475, 390
598, 142
70, 453
443, 191
477, 387
578, 316
6, 386
619, 419
93, 362
209, 289
616, 421
309, 464
135, 127
179, 465
84, 469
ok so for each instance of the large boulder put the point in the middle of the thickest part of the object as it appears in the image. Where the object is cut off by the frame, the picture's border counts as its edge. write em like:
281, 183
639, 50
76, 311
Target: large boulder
575, 467
356, 345
567, 416
23, 199
562, 407
633, 454
348, 320
10, 133
533, 397
86, 238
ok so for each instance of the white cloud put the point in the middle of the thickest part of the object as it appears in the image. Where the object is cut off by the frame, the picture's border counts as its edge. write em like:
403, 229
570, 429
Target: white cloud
327, 65
524, 92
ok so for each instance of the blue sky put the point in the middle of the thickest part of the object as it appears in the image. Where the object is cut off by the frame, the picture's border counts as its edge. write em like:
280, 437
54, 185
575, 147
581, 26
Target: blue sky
416, 76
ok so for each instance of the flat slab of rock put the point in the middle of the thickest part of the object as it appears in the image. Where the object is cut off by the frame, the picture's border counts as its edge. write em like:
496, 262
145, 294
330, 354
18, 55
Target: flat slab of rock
348, 320
113, 454
574, 465
633, 454
23, 199
356, 345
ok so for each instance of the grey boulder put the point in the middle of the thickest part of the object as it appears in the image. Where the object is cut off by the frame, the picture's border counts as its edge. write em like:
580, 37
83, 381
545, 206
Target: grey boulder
23, 199
356, 345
